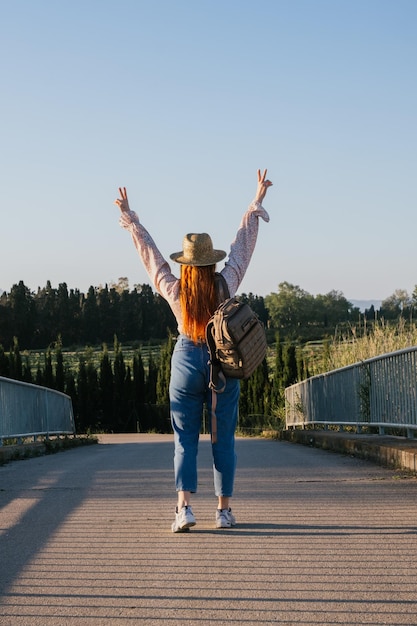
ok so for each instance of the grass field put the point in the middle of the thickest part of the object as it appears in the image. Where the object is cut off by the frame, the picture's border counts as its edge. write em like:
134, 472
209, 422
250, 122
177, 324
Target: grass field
358, 344
94, 355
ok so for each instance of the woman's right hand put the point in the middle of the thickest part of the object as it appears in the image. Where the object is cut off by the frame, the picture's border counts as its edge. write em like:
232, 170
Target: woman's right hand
122, 202
262, 186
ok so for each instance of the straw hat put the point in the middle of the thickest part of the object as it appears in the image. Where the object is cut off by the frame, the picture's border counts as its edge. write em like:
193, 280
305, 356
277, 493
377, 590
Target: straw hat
197, 249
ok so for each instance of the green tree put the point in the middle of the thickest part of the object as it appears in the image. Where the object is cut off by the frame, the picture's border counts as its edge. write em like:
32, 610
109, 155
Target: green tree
106, 388
39, 375
93, 410
4, 363
139, 391
151, 380
290, 308
46, 313
82, 405
87, 393
6, 334
333, 308
48, 372
139, 377
64, 316
90, 318
59, 366
396, 305
71, 390
290, 372
120, 396
27, 370
302, 368
164, 372
258, 390
22, 318
257, 304
73, 333
15, 361
107, 316
277, 392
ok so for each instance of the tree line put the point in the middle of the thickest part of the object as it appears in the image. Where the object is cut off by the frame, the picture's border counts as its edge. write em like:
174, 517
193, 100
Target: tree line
82, 319
140, 314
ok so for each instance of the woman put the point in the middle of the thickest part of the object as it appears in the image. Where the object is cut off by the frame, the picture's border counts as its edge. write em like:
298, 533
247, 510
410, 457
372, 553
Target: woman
193, 299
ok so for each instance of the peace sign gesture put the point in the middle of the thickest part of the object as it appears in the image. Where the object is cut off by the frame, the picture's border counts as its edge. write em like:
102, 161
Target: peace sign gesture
262, 186
122, 202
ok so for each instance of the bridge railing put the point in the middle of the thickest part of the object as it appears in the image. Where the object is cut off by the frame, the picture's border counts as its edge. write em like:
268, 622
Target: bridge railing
28, 410
379, 392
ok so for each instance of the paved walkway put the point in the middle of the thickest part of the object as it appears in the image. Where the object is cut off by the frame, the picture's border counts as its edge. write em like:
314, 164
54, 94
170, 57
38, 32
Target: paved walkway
322, 539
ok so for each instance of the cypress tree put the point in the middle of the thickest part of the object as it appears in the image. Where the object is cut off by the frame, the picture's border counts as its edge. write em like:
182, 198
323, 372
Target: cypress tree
258, 389
243, 400
106, 314
27, 371
39, 375
290, 366
106, 388
92, 399
4, 363
71, 390
277, 392
139, 377
164, 372
90, 318
130, 416
48, 374
138, 391
151, 380
266, 388
82, 396
59, 367
301, 367
22, 313
15, 361
120, 399
81, 415
87, 393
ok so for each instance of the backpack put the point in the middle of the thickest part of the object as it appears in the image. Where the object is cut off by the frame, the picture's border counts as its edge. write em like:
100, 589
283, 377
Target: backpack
235, 338
236, 343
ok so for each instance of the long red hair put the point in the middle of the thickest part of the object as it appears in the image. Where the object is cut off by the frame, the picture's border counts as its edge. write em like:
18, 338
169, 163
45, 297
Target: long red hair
198, 299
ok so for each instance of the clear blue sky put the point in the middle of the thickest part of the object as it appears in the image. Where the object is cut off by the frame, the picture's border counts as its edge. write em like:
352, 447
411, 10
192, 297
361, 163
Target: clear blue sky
181, 101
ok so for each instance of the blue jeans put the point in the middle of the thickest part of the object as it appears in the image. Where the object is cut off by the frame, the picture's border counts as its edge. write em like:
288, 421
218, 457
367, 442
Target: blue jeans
188, 391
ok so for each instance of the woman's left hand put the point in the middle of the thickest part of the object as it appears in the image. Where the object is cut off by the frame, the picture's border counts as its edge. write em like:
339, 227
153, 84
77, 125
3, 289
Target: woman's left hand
122, 202
262, 186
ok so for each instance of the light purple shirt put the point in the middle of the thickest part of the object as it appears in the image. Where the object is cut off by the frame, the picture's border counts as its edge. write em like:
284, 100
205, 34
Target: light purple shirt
159, 271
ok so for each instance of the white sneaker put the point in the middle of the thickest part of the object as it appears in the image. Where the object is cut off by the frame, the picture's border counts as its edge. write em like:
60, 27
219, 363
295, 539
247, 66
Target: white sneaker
225, 518
183, 520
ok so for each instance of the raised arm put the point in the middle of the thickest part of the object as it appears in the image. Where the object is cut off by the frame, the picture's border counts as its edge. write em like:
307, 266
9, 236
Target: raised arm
243, 246
157, 268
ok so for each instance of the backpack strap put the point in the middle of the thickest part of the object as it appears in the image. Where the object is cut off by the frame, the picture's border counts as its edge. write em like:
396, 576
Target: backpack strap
221, 287
216, 373
213, 417
217, 382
